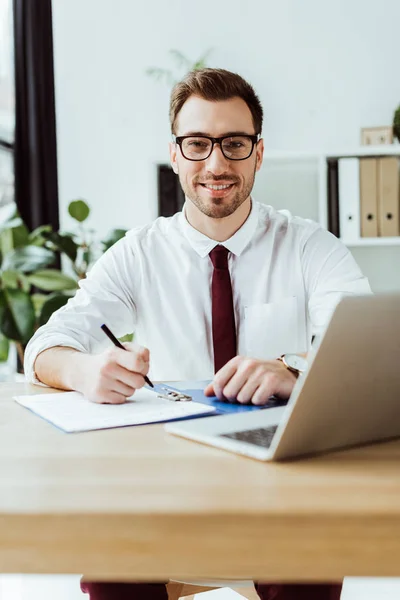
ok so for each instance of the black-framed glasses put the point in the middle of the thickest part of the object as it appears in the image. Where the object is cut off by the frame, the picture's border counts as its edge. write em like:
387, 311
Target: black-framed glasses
233, 147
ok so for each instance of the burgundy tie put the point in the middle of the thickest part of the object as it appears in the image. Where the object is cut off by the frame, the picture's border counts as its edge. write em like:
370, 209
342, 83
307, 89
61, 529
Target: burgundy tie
223, 318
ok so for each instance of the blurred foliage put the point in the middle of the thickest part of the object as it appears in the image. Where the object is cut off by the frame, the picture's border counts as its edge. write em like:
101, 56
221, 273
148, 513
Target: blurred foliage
31, 287
182, 63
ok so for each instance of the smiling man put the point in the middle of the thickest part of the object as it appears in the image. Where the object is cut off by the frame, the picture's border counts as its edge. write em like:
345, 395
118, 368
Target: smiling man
228, 290
217, 182
217, 192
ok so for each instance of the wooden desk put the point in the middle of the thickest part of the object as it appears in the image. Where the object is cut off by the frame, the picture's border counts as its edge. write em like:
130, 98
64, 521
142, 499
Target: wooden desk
139, 503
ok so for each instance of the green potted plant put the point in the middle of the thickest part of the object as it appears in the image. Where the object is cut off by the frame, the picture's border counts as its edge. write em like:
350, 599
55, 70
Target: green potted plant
31, 285
182, 63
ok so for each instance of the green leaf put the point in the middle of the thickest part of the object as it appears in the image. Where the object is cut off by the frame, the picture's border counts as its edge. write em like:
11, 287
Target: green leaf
87, 256
38, 300
52, 280
202, 62
155, 72
13, 279
28, 259
36, 237
54, 302
3, 306
113, 237
6, 241
10, 279
128, 337
180, 59
158, 74
13, 234
14, 222
20, 236
79, 210
4, 348
17, 315
63, 243
24, 284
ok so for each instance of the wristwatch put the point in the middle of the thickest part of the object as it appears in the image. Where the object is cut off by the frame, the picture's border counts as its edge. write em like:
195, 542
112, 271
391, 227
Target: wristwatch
295, 363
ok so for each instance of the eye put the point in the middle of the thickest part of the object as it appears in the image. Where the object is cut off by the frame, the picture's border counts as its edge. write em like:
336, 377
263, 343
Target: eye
196, 143
234, 144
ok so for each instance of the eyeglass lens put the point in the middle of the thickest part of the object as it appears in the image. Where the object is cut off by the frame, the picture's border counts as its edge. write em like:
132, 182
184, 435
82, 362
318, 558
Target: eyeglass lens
199, 148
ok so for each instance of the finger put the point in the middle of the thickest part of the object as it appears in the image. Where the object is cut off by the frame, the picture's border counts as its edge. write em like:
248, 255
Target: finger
141, 351
247, 391
121, 388
109, 398
145, 354
112, 372
222, 377
131, 360
244, 375
130, 379
248, 372
209, 390
262, 393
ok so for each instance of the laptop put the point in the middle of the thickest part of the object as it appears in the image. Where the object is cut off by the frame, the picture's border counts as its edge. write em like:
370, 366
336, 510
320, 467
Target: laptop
349, 396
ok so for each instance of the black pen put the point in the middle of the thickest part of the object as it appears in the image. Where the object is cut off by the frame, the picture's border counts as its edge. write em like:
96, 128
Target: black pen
117, 343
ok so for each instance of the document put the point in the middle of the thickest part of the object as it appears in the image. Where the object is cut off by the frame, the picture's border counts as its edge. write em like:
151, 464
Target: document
72, 412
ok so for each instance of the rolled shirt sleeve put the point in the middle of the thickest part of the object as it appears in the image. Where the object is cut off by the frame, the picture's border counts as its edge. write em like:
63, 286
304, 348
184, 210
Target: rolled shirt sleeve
105, 296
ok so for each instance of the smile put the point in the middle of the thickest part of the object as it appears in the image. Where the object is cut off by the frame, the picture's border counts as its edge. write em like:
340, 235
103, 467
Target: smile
217, 187
221, 190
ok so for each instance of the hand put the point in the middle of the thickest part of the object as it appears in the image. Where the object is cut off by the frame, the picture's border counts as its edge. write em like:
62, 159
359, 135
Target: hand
114, 375
249, 380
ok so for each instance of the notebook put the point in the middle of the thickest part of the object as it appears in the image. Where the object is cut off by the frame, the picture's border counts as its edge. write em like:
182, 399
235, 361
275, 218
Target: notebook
71, 412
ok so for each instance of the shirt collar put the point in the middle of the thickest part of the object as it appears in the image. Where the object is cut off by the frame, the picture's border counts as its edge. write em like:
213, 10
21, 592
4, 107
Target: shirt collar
235, 244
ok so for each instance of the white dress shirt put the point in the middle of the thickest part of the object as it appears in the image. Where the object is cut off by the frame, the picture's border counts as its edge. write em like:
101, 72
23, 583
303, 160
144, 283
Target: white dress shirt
287, 274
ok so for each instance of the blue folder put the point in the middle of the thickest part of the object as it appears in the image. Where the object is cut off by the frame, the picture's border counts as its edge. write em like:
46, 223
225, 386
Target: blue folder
195, 390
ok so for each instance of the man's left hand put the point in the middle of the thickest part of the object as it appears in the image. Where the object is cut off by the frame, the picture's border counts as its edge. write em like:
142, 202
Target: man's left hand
249, 380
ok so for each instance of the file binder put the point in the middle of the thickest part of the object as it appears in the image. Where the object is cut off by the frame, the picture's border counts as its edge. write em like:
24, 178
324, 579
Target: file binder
368, 197
333, 196
349, 199
388, 196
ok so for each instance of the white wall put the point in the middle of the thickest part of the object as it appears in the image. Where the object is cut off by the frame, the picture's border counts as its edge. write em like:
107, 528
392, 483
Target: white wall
322, 70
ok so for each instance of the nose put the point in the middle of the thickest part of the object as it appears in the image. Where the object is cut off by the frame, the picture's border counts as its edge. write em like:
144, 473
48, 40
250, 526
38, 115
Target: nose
216, 162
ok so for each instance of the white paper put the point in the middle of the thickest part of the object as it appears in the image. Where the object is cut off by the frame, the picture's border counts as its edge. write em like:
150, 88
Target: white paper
71, 411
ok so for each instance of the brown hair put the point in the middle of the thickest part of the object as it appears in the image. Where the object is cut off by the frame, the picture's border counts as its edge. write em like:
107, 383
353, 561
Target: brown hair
214, 85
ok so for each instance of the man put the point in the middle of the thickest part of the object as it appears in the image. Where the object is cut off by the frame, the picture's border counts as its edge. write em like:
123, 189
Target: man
222, 289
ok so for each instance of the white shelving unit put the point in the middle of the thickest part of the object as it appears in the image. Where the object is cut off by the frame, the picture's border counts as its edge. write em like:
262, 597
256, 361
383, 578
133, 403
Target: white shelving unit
378, 241
320, 159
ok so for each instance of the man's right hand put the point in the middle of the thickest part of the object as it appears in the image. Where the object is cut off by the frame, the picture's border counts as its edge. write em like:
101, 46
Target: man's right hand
115, 374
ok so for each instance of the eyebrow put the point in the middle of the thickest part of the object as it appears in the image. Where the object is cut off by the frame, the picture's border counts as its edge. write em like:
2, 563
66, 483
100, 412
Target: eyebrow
227, 134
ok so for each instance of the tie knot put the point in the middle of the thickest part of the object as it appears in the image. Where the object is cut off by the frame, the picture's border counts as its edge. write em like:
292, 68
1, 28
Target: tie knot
219, 257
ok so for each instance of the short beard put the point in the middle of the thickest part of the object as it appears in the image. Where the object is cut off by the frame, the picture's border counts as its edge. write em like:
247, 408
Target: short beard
219, 210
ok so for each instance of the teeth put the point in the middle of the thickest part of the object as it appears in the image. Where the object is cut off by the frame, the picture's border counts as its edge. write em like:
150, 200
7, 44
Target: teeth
218, 187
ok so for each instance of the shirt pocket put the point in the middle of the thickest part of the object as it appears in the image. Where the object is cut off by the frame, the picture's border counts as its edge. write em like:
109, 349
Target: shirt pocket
274, 329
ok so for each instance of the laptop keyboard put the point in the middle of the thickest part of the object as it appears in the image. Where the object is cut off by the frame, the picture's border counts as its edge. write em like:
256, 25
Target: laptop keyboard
259, 437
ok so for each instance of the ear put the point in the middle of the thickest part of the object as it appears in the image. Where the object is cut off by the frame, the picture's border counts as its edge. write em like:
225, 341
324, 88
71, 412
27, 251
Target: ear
259, 154
172, 156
